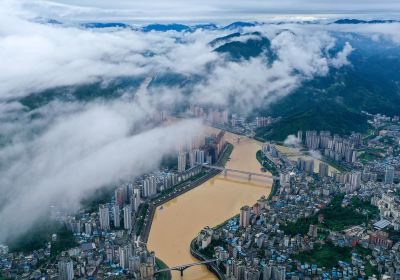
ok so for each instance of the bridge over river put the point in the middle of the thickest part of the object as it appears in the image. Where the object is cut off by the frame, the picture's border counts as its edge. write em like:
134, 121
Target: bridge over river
249, 174
183, 267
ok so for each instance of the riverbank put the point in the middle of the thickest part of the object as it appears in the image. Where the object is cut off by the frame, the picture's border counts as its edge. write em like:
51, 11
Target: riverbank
216, 200
181, 189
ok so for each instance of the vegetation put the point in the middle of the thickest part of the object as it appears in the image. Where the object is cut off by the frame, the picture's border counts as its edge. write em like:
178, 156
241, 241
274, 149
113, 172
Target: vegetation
340, 167
370, 154
364, 206
65, 240
370, 270
336, 217
326, 255
164, 275
238, 50
140, 217
100, 196
301, 226
209, 250
225, 157
329, 102
267, 164
36, 238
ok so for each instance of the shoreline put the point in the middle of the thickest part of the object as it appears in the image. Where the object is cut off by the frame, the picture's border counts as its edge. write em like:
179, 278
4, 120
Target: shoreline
188, 186
152, 212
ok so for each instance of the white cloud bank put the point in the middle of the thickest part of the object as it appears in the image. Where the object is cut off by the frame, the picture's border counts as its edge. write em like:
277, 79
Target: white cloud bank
75, 148
78, 153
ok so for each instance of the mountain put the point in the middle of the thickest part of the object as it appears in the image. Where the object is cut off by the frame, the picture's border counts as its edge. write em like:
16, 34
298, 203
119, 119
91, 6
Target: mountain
166, 27
242, 46
206, 26
359, 21
334, 102
83, 92
224, 39
239, 25
105, 25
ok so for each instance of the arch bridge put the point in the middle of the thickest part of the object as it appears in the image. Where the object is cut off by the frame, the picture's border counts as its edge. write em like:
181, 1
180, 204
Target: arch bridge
183, 267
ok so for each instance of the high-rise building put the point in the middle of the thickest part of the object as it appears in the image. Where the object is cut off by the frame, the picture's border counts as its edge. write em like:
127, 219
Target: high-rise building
323, 169
245, 216
124, 255
305, 165
88, 228
135, 199
300, 135
389, 175
121, 194
199, 156
192, 158
66, 269
181, 161
355, 181
104, 217
116, 216
127, 217
149, 187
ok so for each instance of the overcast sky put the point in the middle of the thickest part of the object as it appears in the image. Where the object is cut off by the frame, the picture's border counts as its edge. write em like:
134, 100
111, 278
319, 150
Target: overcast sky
212, 10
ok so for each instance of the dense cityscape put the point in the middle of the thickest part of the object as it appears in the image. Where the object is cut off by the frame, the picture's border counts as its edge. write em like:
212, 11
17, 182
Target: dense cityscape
327, 225
339, 221
199, 140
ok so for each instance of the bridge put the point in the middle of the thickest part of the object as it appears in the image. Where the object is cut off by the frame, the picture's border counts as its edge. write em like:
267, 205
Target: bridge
249, 174
183, 267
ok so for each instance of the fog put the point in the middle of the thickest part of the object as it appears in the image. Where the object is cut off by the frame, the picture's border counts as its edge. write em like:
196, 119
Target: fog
63, 150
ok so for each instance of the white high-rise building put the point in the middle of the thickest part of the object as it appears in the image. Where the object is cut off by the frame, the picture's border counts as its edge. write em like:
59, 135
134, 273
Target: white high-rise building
127, 217
104, 217
389, 175
181, 161
135, 199
192, 158
124, 254
66, 269
199, 156
88, 228
116, 216
149, 187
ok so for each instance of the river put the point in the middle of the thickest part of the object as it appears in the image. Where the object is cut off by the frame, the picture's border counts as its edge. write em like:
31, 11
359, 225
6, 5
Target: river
211, 203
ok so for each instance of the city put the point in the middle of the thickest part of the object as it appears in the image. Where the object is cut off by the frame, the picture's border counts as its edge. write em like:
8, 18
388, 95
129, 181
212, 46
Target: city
317, 221
199, 140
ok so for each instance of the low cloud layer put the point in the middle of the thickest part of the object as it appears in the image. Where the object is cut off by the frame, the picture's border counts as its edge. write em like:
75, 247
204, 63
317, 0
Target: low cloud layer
63, 150
76, 154
292, 140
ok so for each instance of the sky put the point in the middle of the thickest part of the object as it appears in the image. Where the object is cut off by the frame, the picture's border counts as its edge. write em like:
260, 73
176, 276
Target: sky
213, 10
64, 150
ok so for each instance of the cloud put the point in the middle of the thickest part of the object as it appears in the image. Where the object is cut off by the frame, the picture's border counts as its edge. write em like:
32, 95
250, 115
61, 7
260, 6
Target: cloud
315, 154
341, 58
292, 140
77, 153
207, 10
300, 56
62, 151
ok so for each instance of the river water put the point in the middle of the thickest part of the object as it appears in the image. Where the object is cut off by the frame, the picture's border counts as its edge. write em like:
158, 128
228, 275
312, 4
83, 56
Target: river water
180, 220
